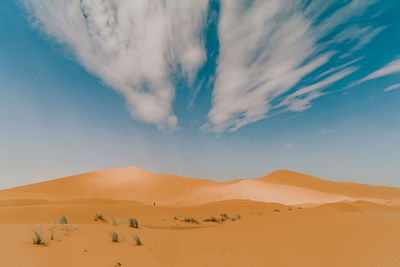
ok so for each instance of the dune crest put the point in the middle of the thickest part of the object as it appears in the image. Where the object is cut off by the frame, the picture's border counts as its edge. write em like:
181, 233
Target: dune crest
135, 184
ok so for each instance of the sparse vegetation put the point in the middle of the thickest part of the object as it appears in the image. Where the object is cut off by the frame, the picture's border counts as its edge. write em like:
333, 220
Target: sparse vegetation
190, 220
237, 217
137, 240
114, 237
276, 210
63, 220
52, 234
211, 219
99, 217
175, 218
133, 223
38, 238
224, 216
114, 221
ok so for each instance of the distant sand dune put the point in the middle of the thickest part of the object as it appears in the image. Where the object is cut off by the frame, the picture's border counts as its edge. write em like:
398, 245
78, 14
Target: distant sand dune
135, 184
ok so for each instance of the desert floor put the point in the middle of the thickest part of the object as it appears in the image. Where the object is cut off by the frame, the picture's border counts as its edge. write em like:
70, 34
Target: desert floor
318, 223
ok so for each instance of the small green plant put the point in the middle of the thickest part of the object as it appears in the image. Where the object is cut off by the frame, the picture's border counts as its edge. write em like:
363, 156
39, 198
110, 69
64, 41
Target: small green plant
137, 240
133, 223
237, 217
99, 217
52, 234
63, 220
224, 216
211, 219
114, 221
38, 238
114, 237
190, 220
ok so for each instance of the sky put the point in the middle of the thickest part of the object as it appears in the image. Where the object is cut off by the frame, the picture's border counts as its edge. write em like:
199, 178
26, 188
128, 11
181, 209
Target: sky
207, 89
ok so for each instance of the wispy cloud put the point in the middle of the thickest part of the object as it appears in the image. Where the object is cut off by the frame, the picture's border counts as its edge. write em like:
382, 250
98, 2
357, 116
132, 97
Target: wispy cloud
133, 46
300, 99
268, 47
391, 68
392, 87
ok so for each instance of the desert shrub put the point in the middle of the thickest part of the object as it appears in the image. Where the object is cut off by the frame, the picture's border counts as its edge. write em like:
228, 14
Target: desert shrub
52, 234
211, 219
38, 238
114, 237
276, 210
133, 223
114, 221
237, 217
190, 220
99, 217
63, 220
137, 240
224, 216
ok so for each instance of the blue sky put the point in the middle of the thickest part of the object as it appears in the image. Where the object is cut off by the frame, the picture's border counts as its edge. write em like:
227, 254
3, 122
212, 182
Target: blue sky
219, 89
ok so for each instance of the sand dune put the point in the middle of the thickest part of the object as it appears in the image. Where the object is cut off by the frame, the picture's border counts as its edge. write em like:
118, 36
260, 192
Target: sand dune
286, 219
135, 184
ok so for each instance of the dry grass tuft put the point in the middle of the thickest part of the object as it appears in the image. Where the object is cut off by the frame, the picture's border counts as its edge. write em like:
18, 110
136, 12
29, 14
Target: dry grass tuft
237, 217
114, 237
137, 240
38, 237
133, 223
211, 219
190, 220
99, 217
63, 220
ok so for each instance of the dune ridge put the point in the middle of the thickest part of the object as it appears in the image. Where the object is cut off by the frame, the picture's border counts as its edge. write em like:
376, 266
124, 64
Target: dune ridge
135, 184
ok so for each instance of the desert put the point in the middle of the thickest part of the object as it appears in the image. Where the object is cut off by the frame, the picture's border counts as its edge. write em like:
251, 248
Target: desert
282, 219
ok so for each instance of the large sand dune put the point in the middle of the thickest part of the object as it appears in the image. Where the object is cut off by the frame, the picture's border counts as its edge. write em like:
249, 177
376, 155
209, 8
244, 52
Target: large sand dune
135, 184
287, 219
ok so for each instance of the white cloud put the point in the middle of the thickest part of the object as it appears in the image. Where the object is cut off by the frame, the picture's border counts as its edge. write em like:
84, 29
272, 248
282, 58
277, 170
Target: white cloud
266, 49
300, 99
391, 68
392, 87
133, 46
337, 68
359, 37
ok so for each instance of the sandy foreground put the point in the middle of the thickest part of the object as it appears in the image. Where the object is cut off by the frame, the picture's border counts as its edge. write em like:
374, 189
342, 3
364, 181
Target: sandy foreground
285, 219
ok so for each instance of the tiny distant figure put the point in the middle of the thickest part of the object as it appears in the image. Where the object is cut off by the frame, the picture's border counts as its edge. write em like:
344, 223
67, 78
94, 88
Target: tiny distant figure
154, 203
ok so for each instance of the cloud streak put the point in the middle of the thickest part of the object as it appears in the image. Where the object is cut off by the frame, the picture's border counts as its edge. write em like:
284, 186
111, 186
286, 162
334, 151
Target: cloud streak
133, 46
391, 68
267, 51
392, 87
268, 48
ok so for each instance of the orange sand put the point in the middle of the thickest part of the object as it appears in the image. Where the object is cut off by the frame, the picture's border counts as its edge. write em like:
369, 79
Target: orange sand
288, 219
